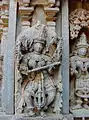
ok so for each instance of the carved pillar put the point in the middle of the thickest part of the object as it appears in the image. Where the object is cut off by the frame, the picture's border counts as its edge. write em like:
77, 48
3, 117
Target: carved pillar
9, 60
4, 18
65, 56
3, 50
1, 27
1, 62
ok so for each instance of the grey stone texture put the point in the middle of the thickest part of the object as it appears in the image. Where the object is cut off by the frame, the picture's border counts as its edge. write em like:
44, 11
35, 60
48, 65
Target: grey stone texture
56, 117
8, 71
65, 56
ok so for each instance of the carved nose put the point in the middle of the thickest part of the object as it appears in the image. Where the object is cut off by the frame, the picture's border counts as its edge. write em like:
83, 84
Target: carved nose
84, 65
84, 69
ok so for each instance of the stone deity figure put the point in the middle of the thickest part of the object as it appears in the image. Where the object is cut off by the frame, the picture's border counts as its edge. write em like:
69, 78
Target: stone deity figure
38, 87
80, 74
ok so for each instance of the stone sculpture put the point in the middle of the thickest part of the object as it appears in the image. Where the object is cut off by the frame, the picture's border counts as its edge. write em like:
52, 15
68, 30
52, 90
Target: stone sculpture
79, 19
38, 59
79, 66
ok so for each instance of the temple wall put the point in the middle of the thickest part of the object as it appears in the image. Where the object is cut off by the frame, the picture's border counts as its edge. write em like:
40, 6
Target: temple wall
63, 20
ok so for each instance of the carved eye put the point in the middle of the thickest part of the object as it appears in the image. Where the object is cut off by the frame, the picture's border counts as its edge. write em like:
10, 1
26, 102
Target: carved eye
88, 69
77, 68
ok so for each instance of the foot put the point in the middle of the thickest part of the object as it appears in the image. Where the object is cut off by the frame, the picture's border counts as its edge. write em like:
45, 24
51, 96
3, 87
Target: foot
19, 110
42, 114
31, 113
86, 106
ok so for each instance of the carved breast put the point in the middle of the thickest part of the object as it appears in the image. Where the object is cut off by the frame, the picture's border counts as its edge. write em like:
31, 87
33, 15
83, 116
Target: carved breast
36, 61
82, 64
79, 64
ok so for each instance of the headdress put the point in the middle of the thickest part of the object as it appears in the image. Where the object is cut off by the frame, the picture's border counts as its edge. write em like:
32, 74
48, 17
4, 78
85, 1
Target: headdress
40, 34
82, 41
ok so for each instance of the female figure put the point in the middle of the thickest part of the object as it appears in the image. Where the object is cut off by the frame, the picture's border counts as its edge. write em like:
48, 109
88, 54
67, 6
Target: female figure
36, 69
80, 70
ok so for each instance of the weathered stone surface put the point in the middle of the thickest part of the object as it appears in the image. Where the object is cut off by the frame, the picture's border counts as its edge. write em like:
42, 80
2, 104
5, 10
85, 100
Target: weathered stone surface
19, 117
69, 116
78, 19
56, 117
80, 77
37, 92
8, 68
65, 56
51, 118
5, 117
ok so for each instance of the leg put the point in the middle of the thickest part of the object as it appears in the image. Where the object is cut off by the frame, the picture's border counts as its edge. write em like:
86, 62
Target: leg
78, 104
85, 105
29, 103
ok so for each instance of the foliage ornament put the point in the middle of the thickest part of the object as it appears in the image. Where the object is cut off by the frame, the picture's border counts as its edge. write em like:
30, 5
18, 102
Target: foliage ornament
79, 19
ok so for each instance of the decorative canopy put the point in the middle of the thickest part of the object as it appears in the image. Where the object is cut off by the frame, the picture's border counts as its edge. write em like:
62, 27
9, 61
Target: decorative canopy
79, 19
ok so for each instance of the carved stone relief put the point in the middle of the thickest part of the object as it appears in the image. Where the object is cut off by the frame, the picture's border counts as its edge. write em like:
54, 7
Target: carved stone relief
79, 63
38, 10
79, 18
39, 88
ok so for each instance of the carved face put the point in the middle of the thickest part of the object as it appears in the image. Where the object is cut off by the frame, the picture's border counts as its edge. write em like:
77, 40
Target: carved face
38, 47
82, 51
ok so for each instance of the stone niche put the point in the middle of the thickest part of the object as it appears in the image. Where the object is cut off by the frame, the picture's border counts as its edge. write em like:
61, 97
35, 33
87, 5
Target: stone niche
39, 85
79, 59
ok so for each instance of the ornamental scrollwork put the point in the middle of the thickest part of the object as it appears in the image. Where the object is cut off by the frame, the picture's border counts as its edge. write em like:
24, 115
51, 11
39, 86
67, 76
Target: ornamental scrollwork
78, 19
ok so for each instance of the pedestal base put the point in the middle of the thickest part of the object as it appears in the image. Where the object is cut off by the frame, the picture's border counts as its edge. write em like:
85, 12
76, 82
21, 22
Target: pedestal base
56, 117
80, 113
20, 117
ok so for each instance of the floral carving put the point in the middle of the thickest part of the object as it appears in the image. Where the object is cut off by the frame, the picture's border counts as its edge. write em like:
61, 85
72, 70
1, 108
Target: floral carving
79, 18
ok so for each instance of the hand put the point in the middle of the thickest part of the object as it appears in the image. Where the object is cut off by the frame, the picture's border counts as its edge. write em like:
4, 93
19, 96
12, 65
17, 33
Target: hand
50, 70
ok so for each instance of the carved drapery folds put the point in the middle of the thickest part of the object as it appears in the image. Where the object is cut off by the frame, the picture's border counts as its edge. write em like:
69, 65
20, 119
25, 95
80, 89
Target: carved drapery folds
79, 63
39, 88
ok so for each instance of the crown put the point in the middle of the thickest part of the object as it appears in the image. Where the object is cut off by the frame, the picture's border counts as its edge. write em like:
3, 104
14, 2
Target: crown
40, 35
82, 41
40, 40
